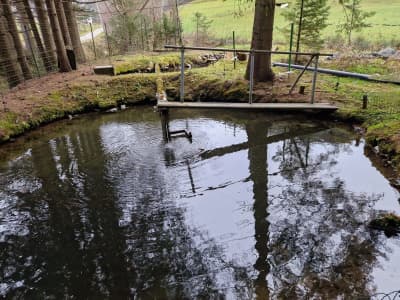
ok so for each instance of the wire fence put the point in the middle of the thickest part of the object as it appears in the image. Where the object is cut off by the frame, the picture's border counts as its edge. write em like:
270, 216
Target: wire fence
38, 62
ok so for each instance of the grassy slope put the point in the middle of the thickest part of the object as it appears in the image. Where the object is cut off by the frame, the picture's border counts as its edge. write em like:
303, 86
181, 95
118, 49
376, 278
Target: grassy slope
224, 20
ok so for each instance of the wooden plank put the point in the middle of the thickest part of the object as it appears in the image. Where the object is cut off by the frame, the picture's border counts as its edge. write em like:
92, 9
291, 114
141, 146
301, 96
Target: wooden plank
253, 106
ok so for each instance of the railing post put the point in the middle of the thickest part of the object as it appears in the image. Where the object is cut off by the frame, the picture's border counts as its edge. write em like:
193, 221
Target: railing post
314, 82
182, 86
234, 49
291, 46
251, 76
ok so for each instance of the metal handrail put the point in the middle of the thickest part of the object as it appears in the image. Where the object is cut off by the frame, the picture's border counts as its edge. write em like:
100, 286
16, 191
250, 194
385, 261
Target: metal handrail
245, 50
252, 52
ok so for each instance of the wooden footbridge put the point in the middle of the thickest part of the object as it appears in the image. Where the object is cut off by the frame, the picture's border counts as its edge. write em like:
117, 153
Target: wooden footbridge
163, 104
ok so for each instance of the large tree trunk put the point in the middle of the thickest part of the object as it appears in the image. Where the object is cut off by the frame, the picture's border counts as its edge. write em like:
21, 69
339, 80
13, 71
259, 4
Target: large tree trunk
62, 20
12, 27
8, 57
58, 39
47, 35
74, 32
262, 40
46, 58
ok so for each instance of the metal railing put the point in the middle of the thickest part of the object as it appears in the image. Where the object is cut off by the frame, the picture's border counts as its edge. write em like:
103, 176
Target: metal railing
252, 52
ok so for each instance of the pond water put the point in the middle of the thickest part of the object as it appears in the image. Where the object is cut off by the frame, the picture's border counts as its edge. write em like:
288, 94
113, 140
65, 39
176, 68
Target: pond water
254, 207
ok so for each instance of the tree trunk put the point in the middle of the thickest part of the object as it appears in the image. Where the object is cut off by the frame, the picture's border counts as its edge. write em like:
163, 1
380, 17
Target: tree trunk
8, 56
74, 32
62, 20
58, 39
47, 35
262, 40
12, 27
300, 26
48, 63
25, 26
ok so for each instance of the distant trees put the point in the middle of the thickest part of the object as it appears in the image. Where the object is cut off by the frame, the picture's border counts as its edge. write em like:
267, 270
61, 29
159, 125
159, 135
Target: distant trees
202, 25
45, 27
310, 18
354, 18
139, 30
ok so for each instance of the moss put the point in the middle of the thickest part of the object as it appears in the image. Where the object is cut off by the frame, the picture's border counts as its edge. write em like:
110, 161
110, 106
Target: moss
77, 98
389, 224
147, 63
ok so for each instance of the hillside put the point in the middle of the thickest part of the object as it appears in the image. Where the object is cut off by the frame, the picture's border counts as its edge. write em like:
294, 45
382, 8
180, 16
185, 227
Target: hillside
228, 16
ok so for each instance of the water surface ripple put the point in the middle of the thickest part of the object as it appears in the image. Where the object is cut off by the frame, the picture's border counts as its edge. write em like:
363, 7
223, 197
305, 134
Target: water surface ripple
254, 207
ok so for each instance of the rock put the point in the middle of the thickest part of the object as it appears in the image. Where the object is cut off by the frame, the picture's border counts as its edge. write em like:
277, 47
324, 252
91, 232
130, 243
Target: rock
386, 53
396, 55
333, 57
388, 223
112, 110
241, 56
359, 130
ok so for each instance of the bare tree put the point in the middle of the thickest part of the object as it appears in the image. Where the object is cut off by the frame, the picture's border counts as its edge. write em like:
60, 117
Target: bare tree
62, 20
47, 35
12, 27
46, 58
262, 40
58, 38
23, 20
74, 31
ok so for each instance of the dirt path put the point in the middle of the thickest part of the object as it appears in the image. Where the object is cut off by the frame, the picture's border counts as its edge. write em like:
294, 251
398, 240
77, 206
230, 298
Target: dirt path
88, 36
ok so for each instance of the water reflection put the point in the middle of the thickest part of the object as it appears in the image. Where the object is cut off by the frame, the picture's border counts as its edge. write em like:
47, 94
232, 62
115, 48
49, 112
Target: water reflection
255, 207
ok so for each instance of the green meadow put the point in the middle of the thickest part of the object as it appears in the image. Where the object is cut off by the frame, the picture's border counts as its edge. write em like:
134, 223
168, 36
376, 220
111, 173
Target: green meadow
228, 16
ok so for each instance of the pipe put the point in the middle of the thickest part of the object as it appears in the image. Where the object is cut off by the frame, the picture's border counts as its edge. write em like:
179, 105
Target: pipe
337, 73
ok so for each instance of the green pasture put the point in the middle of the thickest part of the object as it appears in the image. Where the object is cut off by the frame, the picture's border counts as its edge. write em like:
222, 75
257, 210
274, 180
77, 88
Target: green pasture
228, 16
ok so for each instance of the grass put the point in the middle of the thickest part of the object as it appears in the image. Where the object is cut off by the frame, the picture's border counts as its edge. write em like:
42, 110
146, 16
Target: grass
227, 16
146, 63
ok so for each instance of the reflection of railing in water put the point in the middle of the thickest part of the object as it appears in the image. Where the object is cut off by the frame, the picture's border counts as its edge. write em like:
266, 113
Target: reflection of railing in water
387, 296
252, 53
169, 134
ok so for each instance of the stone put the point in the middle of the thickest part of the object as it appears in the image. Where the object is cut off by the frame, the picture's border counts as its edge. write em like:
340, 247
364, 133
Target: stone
386, 53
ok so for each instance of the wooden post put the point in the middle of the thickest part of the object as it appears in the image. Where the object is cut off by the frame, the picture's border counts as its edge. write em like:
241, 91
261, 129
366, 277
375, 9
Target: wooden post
108, 40
365, 102
234, 49
182, 86
94, 46
314, 82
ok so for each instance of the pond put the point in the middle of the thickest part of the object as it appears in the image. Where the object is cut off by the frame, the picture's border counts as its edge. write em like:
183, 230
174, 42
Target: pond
253, 207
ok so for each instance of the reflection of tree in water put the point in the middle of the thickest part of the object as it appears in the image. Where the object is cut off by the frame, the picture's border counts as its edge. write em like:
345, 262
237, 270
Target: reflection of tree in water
310, 235
319, 244
76, 246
